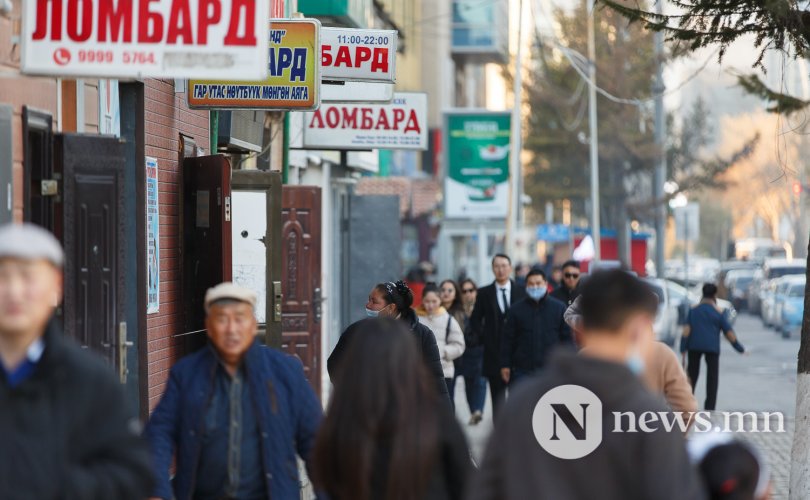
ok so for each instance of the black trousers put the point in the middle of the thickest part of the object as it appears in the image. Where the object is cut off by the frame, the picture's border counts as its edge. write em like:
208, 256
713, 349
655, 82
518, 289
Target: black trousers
497, 389
712, 375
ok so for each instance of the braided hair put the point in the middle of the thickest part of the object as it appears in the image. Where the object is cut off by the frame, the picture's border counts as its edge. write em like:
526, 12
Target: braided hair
399, 294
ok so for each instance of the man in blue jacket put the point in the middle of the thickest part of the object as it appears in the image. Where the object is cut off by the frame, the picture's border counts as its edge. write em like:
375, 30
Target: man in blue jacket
701, 337
535, 326
234, 414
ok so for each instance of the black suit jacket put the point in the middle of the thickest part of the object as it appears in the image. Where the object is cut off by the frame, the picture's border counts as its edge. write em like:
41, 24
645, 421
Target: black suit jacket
487, 324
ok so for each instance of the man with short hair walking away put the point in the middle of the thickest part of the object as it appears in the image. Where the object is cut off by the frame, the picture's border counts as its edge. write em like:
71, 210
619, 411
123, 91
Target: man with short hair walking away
487, 322
701, 338
235, 414
565, 447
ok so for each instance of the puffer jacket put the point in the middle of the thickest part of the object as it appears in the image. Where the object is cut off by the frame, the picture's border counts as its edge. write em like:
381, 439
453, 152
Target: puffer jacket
449, 337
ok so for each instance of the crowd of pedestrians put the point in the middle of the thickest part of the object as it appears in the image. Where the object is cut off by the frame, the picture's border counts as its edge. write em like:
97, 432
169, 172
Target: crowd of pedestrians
237, 416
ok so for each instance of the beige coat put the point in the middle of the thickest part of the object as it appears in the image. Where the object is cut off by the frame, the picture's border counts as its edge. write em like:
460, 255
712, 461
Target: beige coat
451, 343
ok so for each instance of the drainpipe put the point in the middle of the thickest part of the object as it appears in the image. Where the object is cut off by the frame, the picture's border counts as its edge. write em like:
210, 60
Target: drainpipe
213, 125
285, 155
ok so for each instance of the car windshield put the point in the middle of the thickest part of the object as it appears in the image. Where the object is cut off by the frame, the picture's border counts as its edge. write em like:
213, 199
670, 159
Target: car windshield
658, 291
743, 282
796, 291
778, 272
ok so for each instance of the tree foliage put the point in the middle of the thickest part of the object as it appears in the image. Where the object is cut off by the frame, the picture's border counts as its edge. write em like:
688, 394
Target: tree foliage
558, 124
780, 25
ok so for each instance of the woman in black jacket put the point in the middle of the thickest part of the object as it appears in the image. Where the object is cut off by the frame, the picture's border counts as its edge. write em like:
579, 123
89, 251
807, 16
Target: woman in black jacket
393, 300
387, 435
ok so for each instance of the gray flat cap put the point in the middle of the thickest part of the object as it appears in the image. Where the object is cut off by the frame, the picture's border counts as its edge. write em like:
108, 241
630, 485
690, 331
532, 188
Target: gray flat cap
232, 291
30, 242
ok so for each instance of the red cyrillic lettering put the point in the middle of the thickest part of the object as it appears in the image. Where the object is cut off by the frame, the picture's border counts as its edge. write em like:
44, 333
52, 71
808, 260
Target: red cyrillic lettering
113, 19
368, 120
316, 118
41, 31
343, 57
332, 118
349, 118
249, 38
382, 121
363, 54
77, 31
206, 18
180, 23
380, 62
326, 56
413, 123
147, 19
399, 117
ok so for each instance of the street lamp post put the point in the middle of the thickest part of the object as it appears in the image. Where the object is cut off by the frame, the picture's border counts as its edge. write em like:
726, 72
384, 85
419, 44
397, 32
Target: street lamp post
594, 138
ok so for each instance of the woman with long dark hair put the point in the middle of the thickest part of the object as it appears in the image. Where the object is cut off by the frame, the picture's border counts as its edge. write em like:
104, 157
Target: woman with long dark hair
393, 300
383, 438
470, 364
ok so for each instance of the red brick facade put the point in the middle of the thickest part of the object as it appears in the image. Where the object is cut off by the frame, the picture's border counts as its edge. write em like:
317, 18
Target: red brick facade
166, 117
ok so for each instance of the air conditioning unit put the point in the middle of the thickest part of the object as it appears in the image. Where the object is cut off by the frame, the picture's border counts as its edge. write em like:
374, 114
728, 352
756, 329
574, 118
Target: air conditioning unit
240, 131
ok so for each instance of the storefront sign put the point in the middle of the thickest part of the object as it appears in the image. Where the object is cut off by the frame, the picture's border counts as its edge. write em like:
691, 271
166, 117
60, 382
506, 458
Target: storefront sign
152, 238
477, 161
358, 55
402, 124
294, 74
153, 38
357, 92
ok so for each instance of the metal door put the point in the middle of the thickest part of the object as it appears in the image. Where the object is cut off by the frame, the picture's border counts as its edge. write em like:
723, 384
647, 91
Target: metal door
206, 238
301, 277
94, 235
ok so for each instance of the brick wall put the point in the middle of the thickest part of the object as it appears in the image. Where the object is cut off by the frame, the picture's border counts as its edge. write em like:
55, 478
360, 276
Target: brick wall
166, 117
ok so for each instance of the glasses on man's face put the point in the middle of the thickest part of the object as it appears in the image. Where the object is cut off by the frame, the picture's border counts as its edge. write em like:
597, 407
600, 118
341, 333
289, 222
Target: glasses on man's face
468, 290
571, 275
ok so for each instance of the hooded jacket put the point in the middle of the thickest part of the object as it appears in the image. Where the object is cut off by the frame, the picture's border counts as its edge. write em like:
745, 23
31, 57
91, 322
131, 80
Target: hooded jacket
449, 337
624, 466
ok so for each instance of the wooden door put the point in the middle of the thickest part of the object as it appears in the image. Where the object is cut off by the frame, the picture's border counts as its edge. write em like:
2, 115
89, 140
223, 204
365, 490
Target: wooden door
94, 235
301, 277
206, 238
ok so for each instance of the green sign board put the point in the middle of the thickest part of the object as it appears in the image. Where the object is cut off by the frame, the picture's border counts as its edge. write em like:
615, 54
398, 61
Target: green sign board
344, 13
477, 164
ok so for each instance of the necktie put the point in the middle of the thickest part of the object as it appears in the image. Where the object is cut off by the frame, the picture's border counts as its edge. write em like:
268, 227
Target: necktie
505, 301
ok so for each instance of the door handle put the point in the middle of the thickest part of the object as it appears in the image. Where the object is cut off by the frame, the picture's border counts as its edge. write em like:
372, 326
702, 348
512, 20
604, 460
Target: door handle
123, 345
317, 300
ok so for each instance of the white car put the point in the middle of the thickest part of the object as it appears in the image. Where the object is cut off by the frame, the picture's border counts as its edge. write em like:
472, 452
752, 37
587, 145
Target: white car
666, 320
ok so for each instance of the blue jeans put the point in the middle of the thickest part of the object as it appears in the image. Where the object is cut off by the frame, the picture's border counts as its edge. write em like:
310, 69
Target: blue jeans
470, 366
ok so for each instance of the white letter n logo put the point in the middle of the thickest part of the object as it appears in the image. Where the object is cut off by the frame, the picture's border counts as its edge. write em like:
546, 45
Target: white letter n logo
574, 427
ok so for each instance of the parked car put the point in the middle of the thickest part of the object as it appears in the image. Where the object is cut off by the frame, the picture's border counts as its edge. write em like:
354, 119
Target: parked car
772, 298
790, 306
666, 321
773, 268
736, 284
728, 267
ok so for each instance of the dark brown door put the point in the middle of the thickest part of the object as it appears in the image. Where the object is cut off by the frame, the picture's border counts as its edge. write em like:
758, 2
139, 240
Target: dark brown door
301, 277
206, 238
93, 204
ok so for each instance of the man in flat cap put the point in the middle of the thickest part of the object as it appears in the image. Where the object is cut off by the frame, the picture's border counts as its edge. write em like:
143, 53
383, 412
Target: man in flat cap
235, 414
66, 430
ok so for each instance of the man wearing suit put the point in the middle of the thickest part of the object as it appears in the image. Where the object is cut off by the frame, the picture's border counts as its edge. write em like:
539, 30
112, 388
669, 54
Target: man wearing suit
488, 319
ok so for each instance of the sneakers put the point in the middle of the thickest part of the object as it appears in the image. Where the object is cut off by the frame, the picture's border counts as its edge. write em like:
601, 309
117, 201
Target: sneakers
475, 417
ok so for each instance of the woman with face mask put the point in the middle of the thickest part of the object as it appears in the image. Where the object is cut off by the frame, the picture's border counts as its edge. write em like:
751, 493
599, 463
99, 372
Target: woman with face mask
445, 328
393, 300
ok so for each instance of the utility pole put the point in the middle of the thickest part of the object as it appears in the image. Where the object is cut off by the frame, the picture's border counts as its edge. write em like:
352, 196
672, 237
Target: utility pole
596, 230
515, 170
661, 166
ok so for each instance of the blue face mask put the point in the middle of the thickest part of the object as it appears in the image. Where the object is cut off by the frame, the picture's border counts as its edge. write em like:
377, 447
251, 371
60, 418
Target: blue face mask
635, 363
372, 314
536, 293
